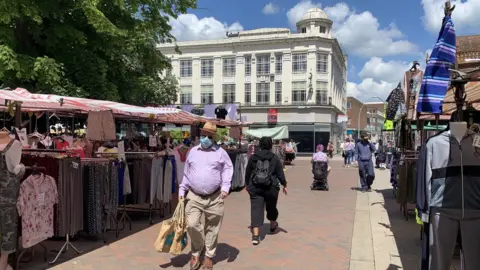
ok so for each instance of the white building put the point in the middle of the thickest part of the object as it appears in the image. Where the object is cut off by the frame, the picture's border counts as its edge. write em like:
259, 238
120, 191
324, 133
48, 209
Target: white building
302, 75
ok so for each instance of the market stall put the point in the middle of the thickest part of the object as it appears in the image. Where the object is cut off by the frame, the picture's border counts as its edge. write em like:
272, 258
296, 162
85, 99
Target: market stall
432, 169
92, 183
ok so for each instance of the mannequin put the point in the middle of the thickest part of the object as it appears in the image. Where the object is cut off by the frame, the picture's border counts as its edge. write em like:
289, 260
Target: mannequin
458, 130
10, 155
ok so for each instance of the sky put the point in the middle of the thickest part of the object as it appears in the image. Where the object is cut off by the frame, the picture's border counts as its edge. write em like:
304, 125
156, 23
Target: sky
381, 37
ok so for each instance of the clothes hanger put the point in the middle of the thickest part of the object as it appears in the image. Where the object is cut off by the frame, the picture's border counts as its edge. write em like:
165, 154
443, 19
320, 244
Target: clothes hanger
414, 66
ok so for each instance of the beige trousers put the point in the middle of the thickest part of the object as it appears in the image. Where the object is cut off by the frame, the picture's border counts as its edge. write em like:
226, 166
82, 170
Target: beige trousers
204, 232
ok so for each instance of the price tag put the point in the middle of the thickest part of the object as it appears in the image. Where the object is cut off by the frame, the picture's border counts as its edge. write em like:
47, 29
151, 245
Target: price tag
152, 141
41, 198
75, 165
476, 140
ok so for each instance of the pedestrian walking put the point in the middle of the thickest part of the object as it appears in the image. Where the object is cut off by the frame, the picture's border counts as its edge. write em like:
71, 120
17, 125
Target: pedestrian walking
349, 152
263, 177
364, 150
330, 149
279, 151
206, 183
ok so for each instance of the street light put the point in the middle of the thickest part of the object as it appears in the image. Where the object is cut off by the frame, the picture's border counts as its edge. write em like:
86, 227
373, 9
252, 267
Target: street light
360, 112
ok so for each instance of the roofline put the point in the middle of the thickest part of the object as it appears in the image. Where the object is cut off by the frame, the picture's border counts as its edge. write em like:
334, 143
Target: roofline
169, 48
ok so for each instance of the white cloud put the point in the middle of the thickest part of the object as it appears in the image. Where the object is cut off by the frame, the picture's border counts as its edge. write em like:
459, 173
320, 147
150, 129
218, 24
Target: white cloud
465, 15
369, 88
190, 27
380, 70
359, 33
379, 77
270, 8
295, 13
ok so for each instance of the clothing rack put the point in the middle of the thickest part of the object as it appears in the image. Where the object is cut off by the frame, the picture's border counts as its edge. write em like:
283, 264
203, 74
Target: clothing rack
110, 215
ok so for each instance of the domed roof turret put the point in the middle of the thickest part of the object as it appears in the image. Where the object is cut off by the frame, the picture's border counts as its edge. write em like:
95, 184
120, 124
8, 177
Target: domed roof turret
314, 13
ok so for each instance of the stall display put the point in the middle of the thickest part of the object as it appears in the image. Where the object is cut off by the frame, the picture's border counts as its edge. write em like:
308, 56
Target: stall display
10, 172
38, 194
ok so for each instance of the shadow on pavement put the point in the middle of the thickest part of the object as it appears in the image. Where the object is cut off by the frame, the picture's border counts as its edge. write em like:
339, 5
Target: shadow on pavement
225, 252
407, 235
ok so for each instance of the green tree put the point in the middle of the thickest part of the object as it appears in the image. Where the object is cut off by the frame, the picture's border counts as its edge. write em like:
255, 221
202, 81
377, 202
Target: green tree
102, 49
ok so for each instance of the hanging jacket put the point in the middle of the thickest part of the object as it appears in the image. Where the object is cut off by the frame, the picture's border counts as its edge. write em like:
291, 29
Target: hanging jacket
449, 177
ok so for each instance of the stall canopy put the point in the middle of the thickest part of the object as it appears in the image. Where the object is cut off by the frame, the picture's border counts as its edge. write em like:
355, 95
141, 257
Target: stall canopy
155, 114
276, 133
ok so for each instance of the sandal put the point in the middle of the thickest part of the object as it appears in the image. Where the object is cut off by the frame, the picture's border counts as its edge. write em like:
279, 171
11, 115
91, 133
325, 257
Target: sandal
272, 230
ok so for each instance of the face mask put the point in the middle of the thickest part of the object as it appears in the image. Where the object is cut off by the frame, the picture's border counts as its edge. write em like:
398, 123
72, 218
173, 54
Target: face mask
205, 142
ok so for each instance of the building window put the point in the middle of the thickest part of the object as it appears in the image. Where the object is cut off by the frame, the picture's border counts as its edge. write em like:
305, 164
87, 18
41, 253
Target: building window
349, 105
278, 93
248, 93
322, 63
278, 64
303, 30
185, 68
263, 64
207, 68
263, 93
186, 94
299, 92
322, 93
323, 29
248, 65
228, 93
299, 63
206, 94
229, 65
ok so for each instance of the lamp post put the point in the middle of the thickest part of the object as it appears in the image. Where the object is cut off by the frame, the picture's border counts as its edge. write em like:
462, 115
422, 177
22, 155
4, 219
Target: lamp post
360, 112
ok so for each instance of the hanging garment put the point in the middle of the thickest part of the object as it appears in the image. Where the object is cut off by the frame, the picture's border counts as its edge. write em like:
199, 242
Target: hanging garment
101, 126
22, 136
394, 100
232, 111
180, 154
209, 110
156, 179
221, 112
9, 188
235, 132
174, 173
443, 238
412, 80
437, 74
187, 108
167, 183
38, 194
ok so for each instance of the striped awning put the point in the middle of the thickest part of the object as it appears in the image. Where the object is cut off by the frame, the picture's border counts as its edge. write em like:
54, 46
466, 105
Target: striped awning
155, 114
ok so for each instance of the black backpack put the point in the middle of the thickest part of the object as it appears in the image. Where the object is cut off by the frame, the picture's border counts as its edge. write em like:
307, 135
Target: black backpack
262, 175
319, 170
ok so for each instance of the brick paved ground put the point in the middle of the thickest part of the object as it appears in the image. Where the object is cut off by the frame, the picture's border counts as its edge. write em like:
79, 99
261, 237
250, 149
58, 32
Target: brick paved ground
316, 233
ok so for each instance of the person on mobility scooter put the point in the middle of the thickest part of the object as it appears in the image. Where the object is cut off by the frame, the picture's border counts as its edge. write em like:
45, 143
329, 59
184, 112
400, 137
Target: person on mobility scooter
320, 170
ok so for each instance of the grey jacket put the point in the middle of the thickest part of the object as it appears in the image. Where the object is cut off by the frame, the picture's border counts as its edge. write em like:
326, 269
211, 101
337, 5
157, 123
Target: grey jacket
450, 172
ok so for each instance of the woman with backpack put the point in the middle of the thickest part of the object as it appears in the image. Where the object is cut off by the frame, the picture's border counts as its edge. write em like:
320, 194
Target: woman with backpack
263, 177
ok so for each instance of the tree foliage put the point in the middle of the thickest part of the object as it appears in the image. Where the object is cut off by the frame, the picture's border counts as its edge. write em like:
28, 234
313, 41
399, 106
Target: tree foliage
102, 49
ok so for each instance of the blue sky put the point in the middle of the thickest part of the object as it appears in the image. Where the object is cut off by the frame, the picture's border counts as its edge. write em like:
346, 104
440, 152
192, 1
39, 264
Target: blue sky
381, 37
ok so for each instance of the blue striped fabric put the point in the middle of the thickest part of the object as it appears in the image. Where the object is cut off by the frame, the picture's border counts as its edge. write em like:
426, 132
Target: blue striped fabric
437, 75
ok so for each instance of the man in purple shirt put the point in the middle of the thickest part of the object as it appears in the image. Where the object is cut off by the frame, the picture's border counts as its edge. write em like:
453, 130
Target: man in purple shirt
206, 181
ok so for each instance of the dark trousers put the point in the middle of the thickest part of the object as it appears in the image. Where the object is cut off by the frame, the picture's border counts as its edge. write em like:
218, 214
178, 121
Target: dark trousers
261, 199
366, 172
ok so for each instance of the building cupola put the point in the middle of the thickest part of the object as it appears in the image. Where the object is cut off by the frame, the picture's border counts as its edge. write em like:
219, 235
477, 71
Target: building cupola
315, 21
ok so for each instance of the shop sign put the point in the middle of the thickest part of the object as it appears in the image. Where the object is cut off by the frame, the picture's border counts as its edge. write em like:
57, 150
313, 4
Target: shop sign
272, 116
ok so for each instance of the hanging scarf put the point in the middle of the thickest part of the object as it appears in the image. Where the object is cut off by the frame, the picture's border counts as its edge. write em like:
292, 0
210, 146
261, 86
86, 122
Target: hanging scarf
437, 75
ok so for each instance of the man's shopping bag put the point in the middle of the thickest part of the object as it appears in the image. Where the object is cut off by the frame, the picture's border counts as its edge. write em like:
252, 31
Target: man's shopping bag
172, 237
